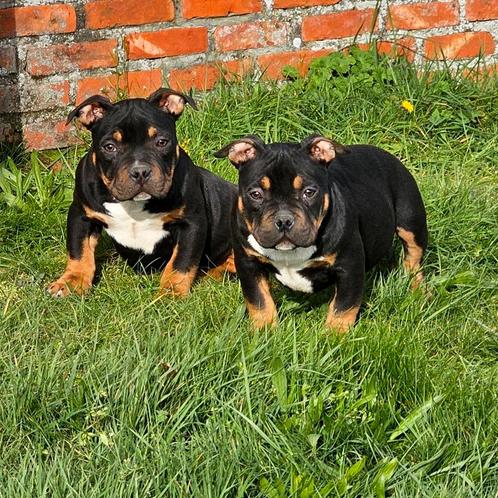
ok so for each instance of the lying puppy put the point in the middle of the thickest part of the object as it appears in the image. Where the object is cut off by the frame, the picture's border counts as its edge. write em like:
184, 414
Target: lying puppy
316, 214
138, 185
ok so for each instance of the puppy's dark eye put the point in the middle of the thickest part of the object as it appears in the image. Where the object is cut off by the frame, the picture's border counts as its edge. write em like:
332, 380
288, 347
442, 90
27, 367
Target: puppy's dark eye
161, 142
109, 147
309, 192
256, 194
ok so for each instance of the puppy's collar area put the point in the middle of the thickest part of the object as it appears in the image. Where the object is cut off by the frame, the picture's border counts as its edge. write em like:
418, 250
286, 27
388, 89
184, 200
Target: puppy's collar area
288, 257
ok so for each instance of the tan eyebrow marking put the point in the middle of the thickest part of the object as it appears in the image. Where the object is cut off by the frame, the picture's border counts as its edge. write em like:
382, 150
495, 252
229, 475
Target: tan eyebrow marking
265, 183
297, 183
152, 132
118, 136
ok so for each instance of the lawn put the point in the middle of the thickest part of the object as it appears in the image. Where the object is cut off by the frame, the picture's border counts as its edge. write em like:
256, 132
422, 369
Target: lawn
121, 393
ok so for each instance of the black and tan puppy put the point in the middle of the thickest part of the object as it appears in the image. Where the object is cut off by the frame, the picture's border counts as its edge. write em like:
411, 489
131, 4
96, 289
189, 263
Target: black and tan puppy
138, 185
317, 214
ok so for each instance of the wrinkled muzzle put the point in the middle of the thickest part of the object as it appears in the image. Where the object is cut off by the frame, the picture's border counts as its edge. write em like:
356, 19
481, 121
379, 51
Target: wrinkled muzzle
285, 229
140, 180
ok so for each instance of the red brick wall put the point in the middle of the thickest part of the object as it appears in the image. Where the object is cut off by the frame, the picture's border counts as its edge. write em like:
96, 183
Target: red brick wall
54, 55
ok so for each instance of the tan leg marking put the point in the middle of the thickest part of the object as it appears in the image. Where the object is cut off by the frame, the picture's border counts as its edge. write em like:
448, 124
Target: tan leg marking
95, 215
255, 254
341, 321
228, 266
174, 282
79, 273
413, 256
175, 215
324, 261
267, 314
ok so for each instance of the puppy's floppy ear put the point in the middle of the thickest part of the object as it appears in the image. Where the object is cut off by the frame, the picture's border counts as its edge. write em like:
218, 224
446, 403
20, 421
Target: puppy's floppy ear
322, 149
171, 101
242, 151
90, 111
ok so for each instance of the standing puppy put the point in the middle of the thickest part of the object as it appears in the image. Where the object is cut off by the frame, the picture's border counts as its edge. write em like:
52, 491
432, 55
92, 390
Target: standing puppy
138, 185
318, 213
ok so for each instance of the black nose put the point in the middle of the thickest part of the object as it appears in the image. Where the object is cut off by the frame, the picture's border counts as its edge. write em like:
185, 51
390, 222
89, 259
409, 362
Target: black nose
140, 173
284, 220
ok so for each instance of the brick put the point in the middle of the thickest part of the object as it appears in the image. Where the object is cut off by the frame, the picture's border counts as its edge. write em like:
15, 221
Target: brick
287, 4
109, 13
202, 77
272, 64
403, 47
337, 25
459, 45
9, 132
48, 134
36, 20
143, 83
219, 8
39, 96
237, 68
423, 15
250, 35
480, 10
9, 98
8, 64
65, 57
166, 43
133, 84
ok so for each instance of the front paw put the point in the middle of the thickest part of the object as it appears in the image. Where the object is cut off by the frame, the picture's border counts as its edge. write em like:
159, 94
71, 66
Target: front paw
177, 283
341, 321
262, 317
69, 284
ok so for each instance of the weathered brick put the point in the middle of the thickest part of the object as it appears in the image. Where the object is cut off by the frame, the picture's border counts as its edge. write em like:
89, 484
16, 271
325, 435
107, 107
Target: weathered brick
423, 15
8, 64
39, 96
133, 83
109, 13
337, 25
459, 45
201, 76
143, 83
166, 43
9, 98
219, 8
48, 134
272, 64
404, 46
64, 57
480, 10
250, 35
36, 20
287, 4
237, 68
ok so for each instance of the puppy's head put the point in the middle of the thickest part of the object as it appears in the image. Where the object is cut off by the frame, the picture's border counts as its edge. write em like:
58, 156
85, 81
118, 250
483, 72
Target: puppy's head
283, 188
134, 144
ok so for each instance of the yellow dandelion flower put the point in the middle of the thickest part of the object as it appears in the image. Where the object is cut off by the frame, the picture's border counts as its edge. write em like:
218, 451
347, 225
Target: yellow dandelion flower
407, 105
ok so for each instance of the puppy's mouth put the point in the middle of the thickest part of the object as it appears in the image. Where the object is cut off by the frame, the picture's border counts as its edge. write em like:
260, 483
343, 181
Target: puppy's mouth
285, 245
286, 242
142, 196
139, 193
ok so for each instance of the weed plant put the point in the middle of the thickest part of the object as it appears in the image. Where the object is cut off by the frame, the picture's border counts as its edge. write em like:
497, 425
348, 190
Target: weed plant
121, 394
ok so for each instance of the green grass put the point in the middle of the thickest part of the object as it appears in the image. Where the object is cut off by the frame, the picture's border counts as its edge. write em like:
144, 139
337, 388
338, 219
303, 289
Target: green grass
121, 394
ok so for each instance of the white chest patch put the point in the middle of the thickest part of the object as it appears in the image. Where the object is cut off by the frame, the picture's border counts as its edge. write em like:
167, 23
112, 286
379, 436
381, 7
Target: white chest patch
288, 264
131, 226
